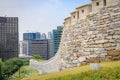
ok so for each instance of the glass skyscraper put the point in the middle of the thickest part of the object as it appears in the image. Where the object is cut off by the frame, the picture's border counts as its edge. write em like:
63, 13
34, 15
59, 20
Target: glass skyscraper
57, 33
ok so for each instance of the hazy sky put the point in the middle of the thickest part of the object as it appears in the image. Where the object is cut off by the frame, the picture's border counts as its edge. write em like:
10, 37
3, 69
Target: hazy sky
39, 15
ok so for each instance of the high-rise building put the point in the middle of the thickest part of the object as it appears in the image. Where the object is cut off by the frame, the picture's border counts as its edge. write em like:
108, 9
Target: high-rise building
42, 47
49, 35
57, 33
23, 48
8, 37
29, 37
43, 36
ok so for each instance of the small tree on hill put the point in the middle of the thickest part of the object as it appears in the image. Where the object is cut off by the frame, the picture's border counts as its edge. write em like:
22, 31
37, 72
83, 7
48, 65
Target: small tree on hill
36, 56
1, 65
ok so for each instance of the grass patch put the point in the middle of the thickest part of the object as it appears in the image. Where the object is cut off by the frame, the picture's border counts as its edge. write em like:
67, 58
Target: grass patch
25, 71
102, 74
74, 71
39, 60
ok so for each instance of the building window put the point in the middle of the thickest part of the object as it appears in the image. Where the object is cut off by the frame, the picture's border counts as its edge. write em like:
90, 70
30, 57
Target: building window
97, 3
74, 17
104, 2
82, 11
78, 15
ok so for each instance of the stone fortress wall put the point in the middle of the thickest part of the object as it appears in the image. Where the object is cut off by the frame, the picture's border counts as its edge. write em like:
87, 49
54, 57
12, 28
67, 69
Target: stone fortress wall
90, 38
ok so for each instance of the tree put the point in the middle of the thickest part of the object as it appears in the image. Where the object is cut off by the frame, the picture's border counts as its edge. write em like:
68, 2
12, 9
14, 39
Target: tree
11, 66
1, 65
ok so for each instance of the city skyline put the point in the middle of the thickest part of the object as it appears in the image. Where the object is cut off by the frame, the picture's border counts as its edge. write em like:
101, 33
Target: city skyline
38, 15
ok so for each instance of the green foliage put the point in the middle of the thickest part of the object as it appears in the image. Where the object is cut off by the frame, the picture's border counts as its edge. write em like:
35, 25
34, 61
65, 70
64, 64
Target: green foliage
11, 66
102, 74
24, 72
25, 62
36, 56
1, 65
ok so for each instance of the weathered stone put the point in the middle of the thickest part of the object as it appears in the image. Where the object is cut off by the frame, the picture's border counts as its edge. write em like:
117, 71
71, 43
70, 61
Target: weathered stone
116, 36
78, 42
109, 57
83, 63
94, 60
108, 60
94, 66
117, 33
75, 61
81, 59
109, 37
106, 45
92, 52
101, 41
116, 58
78, 64
114, 52
79, 54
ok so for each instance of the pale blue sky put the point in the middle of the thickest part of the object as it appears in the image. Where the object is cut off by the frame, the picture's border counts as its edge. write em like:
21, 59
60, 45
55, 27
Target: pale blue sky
39, 15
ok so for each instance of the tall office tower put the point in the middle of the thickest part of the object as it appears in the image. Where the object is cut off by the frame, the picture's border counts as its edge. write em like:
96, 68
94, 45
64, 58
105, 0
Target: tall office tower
29, 37
42, 47
23, 48
57, 33
49, 35
8, 37
43, 36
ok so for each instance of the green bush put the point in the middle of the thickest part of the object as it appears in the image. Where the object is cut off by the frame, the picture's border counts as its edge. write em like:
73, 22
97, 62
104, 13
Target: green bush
36, 56
102, 74
25, 62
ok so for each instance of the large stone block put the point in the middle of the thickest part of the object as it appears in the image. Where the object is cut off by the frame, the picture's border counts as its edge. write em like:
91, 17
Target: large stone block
116, 58
94, 66
106, 45
117, 33
101, 41
83, 63
94, 60
79, 54
114, 52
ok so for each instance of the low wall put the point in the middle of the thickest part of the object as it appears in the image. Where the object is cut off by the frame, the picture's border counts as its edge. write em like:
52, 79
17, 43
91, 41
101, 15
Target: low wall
51, 65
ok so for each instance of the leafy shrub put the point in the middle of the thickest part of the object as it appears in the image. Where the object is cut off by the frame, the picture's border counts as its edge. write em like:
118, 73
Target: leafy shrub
36, 56
11, 66
25, 62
